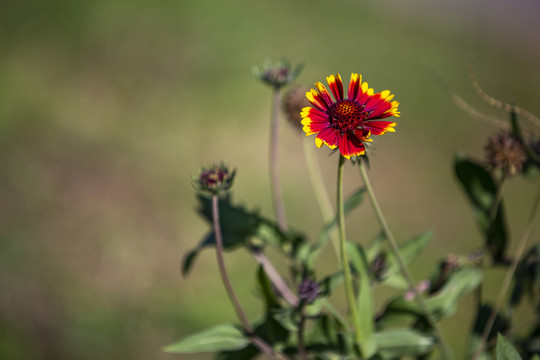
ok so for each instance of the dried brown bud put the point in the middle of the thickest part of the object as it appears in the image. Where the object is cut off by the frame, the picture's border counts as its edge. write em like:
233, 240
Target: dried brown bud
293, 103
505, 152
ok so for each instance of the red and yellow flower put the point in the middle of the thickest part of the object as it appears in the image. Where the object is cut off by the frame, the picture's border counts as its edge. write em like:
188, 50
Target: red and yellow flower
346, 123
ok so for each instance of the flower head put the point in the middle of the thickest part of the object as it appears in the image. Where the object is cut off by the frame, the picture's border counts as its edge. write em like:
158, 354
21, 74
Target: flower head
347, 122
293, 103
214, 179
505, 152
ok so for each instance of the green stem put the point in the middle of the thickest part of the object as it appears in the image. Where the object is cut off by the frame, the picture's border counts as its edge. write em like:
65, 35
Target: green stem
277, 196
274, 276
403, 266
321, 195
301, 328
492, 215
349, 291
508, 278
259, 343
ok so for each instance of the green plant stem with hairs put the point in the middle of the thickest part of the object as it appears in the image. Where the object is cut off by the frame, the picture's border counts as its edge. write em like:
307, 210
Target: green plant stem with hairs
446, 353
259, 343
349, 291
277, 196
507, 279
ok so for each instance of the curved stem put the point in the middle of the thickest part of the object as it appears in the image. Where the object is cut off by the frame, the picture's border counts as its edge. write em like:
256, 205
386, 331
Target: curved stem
277, 196
403, 266
275, 277
321, 195
349, 291
262, 345
508, 278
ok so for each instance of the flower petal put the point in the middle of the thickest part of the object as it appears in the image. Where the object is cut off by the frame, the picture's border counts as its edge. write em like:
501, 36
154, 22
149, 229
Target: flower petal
354, 86
380, 127
325, 95
336, 85
314, 114
330, 137
350, 145
364, 94
315, 98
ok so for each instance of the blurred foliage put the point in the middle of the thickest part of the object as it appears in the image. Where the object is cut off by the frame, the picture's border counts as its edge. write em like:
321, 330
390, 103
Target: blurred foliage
107, 106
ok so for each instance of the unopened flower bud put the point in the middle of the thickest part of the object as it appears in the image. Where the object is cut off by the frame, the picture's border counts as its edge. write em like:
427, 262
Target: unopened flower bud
277, 75
308, 290
214, 179
293, 103
505, 152
378, 266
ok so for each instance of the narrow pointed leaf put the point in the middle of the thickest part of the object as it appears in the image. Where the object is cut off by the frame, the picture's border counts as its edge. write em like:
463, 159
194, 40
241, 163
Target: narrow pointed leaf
397, 343
365, 300
444, 302
409, 250
218, 338
505, 350
481, 190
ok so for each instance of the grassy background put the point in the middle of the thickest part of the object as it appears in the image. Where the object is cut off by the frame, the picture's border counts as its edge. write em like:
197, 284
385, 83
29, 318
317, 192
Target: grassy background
107, 107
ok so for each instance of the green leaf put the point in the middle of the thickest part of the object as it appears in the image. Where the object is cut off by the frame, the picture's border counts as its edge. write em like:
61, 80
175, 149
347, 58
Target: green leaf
444, 302
330, 282
397, 343
461, 282
219, 338
365, 299
481, 190
409, 250
241, 227
230, 241
271, 330
505, 350
374, 247
328, 339
248, 353
527, 279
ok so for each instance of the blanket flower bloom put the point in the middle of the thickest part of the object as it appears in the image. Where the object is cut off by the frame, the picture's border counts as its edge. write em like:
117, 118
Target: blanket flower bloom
346, 123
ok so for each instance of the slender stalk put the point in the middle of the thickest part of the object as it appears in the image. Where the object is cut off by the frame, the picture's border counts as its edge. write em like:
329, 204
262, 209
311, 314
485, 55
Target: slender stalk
404, 270
492, 214
301, 326
498, 198
277, 196
349, 291
262, 345
275, 277
321, 195
508, 278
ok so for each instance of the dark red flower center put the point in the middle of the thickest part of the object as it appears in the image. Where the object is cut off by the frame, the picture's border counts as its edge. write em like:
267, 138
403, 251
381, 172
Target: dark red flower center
346, 115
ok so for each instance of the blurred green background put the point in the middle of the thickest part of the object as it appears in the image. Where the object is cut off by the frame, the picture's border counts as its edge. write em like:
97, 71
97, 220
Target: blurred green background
108, 106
